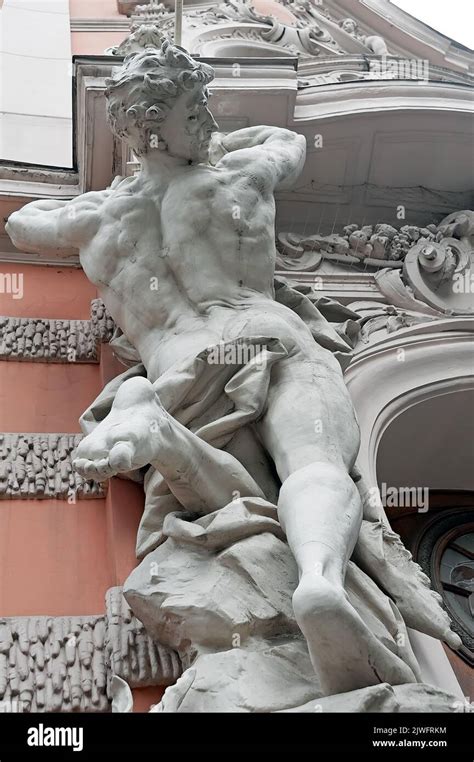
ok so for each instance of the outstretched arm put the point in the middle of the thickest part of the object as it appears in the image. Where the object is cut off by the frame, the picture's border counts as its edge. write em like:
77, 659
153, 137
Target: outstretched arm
51, 227
275, 154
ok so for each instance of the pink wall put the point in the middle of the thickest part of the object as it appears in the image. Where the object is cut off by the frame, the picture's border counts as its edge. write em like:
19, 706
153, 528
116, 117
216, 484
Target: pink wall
95, 43
50, 397
54, 557
272, 8
49, 292
102, 9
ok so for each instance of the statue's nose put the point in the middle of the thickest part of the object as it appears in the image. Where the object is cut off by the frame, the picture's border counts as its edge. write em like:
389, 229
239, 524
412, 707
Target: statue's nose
212, 122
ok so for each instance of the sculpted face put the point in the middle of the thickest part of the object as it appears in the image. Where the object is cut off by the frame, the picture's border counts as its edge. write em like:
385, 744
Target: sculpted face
188, 127
349, 26
157, 101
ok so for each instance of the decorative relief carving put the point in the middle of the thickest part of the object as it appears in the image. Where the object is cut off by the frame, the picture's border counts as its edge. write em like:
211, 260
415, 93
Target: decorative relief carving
305, 39
376, 316
65, 664
380, 245
131, 653
47, 340
374, 43
103, 325
236, 19
143, 36
424, 269
308, 12
53, 664
40, 466
150, 13
233, 10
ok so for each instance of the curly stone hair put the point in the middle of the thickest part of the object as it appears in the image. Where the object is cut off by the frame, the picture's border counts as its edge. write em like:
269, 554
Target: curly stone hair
141, 93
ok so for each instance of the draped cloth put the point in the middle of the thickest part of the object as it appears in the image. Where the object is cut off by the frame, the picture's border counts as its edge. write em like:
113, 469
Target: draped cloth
219, 401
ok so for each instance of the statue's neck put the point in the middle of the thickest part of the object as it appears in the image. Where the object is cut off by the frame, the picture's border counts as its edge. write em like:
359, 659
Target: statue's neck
161, 165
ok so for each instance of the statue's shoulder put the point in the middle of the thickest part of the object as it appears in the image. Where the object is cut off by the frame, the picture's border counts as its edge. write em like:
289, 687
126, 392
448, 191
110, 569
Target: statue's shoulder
120, 182
123, 193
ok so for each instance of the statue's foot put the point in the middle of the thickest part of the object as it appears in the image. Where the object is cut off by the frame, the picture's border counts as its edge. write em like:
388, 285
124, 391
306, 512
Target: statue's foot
422, 609
346, 655
394, 569
129, 437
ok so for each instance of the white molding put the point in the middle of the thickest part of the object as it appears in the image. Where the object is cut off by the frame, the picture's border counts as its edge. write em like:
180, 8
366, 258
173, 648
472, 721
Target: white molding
361, 97
33, 189
346, 287
100, 25
437, 360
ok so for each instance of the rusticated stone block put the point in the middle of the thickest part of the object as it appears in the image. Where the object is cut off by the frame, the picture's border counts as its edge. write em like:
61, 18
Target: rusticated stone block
44, 340
132, 654
102, 324
65, 664
40, 466
47, 340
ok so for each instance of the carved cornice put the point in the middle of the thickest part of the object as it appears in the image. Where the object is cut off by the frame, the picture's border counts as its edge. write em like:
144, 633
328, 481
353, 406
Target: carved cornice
66, 664
331, 70
99, 25
371, 96
39, 466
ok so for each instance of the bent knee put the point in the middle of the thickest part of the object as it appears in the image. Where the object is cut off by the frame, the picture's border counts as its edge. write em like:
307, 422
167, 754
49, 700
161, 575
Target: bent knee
323, 472
325, 480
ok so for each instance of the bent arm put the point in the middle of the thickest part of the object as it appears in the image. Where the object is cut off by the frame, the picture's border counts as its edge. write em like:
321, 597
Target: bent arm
274, 153
51, 227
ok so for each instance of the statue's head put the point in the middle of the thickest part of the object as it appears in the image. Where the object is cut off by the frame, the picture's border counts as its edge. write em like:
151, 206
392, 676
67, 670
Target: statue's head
157, 101
349, 25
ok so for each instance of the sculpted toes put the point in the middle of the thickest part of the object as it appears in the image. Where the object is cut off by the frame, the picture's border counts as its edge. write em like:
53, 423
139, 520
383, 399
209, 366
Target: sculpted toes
90, 471
96, 470
91, 448
82, 466
104, 469
77, 463
121, 457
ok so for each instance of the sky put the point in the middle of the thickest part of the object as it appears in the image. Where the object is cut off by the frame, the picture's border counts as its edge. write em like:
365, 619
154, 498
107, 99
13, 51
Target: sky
454, 18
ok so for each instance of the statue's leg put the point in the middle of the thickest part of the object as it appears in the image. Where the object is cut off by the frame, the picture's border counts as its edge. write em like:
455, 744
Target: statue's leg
311, 432
138, 430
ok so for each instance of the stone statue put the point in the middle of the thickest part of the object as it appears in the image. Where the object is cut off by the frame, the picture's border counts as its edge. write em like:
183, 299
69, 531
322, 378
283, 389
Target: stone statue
373, 42
183, 255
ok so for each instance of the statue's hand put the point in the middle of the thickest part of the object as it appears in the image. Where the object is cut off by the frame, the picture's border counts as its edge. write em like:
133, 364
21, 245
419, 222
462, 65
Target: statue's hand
216, 148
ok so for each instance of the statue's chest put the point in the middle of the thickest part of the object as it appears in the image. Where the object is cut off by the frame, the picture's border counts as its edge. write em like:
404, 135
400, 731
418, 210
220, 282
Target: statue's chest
192, 204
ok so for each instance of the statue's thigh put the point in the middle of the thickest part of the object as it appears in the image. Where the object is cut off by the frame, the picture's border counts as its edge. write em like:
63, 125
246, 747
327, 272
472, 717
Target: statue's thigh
309, 416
